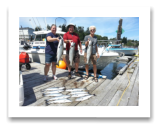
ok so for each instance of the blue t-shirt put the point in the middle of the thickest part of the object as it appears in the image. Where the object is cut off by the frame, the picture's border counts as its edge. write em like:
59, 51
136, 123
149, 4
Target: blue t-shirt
51, 47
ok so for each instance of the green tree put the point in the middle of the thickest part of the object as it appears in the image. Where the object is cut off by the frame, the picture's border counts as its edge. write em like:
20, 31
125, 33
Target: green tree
38, 28
48, 27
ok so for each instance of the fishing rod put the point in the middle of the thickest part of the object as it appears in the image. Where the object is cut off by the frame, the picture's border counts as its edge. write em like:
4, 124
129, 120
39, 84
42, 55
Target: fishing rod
62, 18
38, 23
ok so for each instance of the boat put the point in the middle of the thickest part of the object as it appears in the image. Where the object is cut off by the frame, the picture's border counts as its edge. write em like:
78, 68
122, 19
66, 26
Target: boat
36, 50
23, 45
120, 49
105, 58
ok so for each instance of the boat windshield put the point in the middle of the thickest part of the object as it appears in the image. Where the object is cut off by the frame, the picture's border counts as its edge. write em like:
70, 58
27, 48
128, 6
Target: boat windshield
40, 37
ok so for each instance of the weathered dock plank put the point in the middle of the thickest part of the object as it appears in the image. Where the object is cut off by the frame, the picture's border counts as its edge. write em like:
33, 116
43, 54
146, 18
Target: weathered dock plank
100, 92
90, 87
79, 85
115, 98
133, 100
40, 99
109, 95
127, 93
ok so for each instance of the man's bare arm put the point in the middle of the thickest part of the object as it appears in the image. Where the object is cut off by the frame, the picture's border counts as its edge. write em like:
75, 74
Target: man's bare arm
80, 45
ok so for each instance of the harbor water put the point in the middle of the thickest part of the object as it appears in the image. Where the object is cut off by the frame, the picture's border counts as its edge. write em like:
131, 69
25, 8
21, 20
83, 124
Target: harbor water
111, 70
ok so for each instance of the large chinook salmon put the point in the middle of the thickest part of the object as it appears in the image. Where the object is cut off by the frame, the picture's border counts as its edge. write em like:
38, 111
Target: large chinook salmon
60, 50
71, 53
89, 51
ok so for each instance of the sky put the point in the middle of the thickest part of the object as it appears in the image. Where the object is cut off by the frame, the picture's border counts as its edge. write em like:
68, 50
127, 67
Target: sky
105, 26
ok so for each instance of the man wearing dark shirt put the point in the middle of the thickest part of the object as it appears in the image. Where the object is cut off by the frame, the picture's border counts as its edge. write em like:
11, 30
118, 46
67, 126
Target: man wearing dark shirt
52, 41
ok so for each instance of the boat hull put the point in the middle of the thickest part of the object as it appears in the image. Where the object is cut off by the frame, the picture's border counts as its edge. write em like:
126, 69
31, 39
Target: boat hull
126, 52
102, 62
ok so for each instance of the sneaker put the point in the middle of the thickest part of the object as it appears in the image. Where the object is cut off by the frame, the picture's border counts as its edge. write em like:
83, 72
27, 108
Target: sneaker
45, 78
69, 75
77, 74
54, 77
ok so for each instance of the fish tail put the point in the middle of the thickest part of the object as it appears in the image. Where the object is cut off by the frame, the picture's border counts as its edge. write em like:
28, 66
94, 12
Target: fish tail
46, 103
57, 63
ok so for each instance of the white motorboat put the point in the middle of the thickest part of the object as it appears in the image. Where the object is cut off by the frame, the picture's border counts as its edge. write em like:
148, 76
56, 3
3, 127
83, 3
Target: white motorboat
118, 48
37, 51
105, 58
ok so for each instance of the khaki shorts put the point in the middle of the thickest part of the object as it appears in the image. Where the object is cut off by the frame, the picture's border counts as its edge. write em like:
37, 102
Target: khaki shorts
93, 58
76, 58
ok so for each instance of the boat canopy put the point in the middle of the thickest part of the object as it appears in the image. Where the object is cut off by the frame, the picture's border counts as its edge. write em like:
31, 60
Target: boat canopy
59, 31
46, 32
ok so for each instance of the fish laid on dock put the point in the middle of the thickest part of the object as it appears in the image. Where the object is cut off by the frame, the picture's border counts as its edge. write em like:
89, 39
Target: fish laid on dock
79, 95
84, 98
59, 97
52, 94
79, 92
55, 91
53, 88
59, 101
75, 89
71, 53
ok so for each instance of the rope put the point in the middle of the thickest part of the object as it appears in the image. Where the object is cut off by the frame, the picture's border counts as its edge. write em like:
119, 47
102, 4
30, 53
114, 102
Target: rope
124, 90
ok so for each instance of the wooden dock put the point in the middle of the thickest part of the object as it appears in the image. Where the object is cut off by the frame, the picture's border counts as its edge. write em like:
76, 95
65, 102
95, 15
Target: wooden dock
108, 92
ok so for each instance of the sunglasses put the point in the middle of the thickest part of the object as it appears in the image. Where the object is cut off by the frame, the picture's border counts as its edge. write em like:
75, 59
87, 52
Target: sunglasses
92, 30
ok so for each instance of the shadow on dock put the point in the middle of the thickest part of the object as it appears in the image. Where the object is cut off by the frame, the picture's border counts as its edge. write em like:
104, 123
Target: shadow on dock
33, 80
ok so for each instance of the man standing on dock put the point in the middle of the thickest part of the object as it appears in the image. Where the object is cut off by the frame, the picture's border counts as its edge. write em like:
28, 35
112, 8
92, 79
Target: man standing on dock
52, 41
69, 37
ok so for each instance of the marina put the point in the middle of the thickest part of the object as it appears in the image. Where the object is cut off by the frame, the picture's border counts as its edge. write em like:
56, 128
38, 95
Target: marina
113, 81
123, 90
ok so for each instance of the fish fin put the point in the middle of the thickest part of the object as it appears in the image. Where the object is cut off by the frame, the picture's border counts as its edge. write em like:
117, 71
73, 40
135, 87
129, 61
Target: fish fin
46, 103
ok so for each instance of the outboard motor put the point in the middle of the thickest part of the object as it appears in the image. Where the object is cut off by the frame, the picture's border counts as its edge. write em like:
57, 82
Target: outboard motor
26, 46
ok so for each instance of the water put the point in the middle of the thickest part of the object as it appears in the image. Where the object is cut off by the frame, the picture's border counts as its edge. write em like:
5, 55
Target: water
110, 70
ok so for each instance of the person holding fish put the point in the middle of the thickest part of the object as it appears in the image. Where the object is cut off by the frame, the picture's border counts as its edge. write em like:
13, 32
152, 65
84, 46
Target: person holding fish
72, 41
52, 41
90, 52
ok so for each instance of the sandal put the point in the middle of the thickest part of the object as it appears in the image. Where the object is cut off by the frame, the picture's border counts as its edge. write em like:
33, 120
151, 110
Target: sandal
95, 79
86, 77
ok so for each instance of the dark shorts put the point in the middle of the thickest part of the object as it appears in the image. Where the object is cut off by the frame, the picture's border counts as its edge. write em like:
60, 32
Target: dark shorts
93, 58
75, 59
50, 58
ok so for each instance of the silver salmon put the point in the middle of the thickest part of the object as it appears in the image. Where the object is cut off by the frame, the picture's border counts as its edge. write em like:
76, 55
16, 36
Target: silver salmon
52, 94
79, 92
75, 89
59, 101
71, 53
53, 89
60, 50
84, 98
79, 95
89, 51
58, 97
